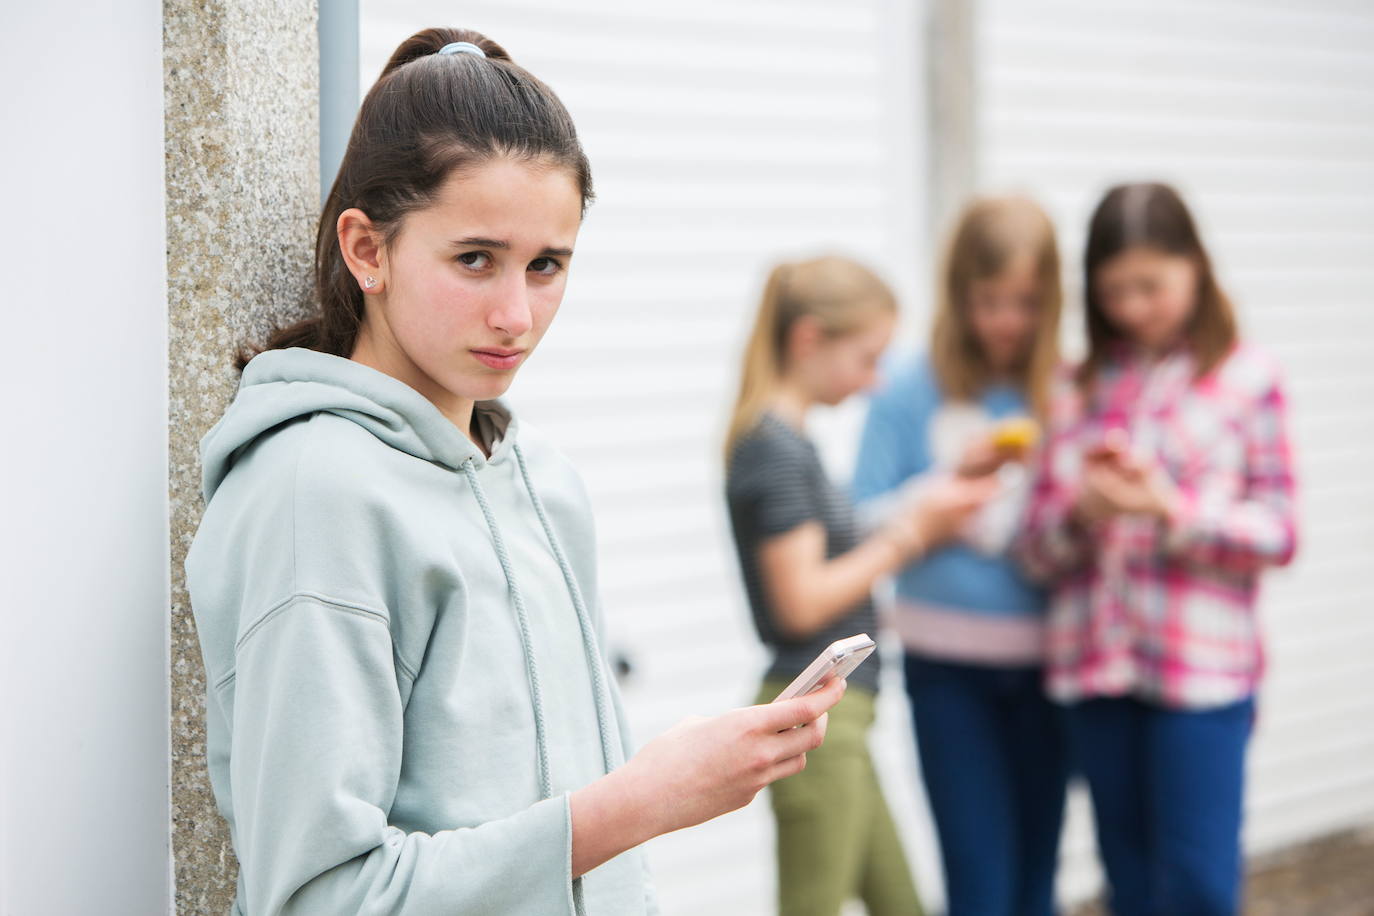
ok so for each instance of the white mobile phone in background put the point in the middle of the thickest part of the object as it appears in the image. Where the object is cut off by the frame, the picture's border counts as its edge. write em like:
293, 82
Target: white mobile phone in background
839, 659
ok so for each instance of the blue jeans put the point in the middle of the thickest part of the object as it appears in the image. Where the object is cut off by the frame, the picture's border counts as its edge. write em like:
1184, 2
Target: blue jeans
994, 762
1167, 788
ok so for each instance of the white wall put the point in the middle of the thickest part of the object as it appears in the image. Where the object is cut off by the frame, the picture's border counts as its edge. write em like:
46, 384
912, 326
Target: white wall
722, 135
1263, 115
83, 529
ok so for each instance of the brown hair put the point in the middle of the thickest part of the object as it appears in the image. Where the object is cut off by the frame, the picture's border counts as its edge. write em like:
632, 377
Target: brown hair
990, 234
427, 116
841, 294
1153, 215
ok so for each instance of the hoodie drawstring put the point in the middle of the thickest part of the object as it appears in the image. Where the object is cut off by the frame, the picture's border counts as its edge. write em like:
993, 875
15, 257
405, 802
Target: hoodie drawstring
522, 619
590, 644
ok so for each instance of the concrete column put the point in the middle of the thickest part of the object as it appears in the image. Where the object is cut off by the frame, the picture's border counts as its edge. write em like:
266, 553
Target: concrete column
952, 108
241, 89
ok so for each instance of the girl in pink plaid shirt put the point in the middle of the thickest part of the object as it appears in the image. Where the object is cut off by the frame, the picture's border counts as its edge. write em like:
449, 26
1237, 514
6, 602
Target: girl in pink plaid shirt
1165, 488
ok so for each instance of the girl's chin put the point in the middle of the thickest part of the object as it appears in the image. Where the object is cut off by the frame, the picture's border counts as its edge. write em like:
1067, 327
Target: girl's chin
490, 389
478, 387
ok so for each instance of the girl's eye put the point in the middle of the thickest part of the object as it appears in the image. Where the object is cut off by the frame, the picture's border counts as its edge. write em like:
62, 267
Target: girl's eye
475, 260
545, 267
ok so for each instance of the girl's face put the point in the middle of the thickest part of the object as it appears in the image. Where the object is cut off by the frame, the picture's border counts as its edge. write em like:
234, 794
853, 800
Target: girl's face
843, 365
1003, 312
1148, 295
470, 284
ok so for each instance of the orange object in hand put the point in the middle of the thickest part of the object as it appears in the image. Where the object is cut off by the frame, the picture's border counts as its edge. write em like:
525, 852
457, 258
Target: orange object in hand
1016, 436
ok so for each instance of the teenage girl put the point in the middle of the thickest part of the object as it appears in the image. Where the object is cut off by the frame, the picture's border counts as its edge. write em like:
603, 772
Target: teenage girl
409, 709
821, 327
991, 746
1165, 490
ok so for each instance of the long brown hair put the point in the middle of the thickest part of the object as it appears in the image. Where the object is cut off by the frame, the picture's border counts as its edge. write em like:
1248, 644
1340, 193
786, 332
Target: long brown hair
842, 295
1153, 215
427, 115
991, 233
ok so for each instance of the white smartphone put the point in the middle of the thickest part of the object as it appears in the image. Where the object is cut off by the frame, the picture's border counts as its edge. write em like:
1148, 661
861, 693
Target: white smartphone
839, 659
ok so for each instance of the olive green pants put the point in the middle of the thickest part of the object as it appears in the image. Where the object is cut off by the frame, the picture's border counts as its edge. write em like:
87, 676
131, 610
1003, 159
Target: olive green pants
836, 839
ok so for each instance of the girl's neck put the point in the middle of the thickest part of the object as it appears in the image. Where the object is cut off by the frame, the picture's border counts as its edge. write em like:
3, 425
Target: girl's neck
1152, 353
390, 360
791, 404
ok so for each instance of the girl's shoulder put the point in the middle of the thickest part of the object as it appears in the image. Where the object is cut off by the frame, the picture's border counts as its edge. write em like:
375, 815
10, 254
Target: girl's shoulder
769, 452
770, 438
1249, 372
909, 382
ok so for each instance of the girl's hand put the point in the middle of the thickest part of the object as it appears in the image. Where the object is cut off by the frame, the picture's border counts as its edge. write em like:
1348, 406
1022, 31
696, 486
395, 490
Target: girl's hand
1119, 483
703, 768
697, 770
1093, 506
981, 457
946, 507
1113, 451
1011, 439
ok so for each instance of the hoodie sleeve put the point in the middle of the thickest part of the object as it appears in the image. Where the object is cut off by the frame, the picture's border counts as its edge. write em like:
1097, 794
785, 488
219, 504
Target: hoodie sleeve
317, 739
627, 744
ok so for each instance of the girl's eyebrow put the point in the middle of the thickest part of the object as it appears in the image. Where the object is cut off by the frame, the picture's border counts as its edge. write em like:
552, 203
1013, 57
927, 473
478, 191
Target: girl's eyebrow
473, 241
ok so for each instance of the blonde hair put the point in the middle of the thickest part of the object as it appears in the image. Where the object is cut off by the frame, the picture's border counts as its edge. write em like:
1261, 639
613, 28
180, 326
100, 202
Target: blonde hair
990, 234
842, 296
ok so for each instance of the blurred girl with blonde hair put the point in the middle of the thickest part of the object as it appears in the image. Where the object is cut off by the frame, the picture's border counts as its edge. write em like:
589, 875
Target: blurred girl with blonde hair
990, 744
821, 327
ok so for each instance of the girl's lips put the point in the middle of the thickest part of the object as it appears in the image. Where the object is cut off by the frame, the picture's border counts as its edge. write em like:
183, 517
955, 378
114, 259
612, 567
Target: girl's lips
499, 359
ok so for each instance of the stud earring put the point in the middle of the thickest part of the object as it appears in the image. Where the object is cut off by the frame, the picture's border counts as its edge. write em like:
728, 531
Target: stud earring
369, 282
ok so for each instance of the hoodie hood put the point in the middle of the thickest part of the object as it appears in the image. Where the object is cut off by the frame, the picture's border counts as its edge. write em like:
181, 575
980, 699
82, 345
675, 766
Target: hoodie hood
281, 385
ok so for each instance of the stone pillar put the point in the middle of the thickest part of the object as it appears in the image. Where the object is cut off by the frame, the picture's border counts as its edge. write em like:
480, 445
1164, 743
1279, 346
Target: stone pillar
952, 106
241, 91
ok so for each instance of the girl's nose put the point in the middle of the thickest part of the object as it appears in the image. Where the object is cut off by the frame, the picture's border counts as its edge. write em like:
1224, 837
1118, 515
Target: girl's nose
510, 313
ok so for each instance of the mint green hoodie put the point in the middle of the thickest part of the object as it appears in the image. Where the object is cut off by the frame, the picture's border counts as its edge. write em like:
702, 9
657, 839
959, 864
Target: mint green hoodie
401, 650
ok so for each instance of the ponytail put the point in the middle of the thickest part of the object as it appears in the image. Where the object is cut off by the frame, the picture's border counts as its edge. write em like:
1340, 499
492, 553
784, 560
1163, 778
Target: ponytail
762, 367
841, 294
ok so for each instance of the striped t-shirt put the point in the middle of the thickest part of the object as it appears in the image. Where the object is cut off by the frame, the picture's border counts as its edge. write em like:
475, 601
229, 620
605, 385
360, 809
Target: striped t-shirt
774, 483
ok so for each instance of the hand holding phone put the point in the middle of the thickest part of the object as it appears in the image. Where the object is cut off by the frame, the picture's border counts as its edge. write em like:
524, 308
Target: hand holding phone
837, 660
1115, 447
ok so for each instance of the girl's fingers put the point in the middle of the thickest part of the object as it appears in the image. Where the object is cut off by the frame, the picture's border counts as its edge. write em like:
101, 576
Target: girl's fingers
793, 741
775, 717
784, 768
1117, 440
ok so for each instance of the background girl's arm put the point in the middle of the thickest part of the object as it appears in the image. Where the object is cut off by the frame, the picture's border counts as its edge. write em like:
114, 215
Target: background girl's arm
806, 591
892, 454
1260, 528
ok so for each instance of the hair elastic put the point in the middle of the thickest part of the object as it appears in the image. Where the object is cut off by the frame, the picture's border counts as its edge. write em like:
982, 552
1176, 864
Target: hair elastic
461, 47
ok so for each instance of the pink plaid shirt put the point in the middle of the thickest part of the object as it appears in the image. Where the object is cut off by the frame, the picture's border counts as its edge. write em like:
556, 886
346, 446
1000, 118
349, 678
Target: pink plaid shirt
1165, 611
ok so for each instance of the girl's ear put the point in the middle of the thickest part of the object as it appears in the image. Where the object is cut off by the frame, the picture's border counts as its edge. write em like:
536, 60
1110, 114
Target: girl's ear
360, 243
803, 337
